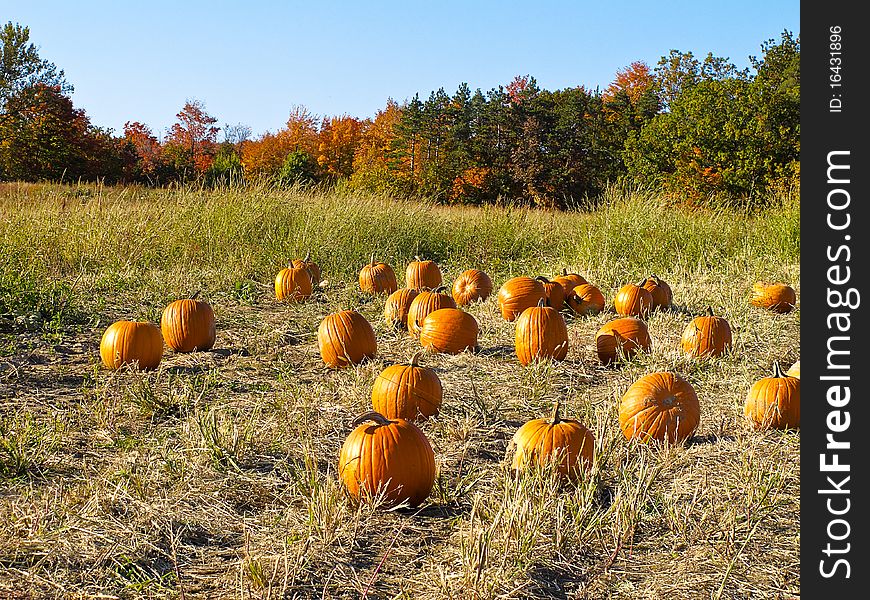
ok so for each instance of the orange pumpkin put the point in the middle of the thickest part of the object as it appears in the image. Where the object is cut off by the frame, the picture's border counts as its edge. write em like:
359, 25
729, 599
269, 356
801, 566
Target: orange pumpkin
407, 391
377, 278
621, 338
518, 294
585, 299
136, 343
471, 286
425, 303
188, 325
633, 300
397, 305
554, 293
308, 264
707, 336
422, 274
388, 458
778, 297
569, 281
345, 338
659, 406
565, 443
774, 402
449, 330
293, 283
662, 296
794, 370
541, 333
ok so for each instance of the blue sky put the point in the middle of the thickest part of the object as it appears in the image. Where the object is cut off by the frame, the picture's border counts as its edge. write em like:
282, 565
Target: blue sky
250, 61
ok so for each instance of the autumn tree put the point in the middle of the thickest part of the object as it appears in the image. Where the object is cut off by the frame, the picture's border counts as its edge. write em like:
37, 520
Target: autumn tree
190, 143
375, 167
21, 68
338, 140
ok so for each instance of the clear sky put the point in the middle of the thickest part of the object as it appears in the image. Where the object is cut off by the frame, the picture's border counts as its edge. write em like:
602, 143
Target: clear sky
250, 61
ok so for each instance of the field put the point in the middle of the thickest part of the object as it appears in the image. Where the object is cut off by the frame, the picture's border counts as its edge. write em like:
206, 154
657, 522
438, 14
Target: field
215, 475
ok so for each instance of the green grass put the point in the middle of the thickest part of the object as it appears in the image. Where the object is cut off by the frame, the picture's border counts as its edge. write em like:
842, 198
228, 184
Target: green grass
215, 475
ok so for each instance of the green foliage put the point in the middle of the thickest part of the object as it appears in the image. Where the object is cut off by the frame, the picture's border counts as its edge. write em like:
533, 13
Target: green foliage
21, 67
298, 167
226, 169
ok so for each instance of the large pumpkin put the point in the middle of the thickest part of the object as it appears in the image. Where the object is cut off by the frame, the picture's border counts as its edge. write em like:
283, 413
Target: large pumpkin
774, 402
554, 293
633, 300
621, 338
345, 338
135, 343
449, 331
388, 458
293, 283
425, 303
518, 294
585, 299
541, 333
662, 296
707, 335
377, 278
659, 406
422, 274
188, 325
312, 267
777, 297
569, 281
397, 305
407, 391
471, 286
566, 443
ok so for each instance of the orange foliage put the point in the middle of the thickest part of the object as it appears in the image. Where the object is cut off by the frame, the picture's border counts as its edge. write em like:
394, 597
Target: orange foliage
634, 80
338, 140
266, 155
146, 145
469, 184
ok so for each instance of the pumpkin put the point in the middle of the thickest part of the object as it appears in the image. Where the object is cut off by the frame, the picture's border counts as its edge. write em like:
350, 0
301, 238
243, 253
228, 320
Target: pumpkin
471, 286
661, 407
293, 283
585, 299
778, 297
425, 303
661, 293
377, 278
407, 391
633, 300
621, 338
449, 330
518, 294
794, 370
541, 333
312, 267
345, 338
707, 336
397, 305
389, 458
188, 325
422, 274
554, 293
774, 402
135, 343
565, 443
569, 281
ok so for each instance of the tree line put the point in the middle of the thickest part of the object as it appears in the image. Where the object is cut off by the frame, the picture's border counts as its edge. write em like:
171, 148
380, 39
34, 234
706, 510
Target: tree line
700, 130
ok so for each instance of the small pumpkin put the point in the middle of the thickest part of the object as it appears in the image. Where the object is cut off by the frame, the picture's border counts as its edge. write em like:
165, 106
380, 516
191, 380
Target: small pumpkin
407, 391
425, 303
566, 443
188, 325
554, 293
471, 286
707, 335
377, 278
794, 370
397, 305
659, 406
345, 338
293, 283
633, 300
541, 333
774, 402
422, 274
621, 338
312, 267
517, 294
569, 281
662, 296
778, 297
585, 299
137, 343
384, 457
449, 330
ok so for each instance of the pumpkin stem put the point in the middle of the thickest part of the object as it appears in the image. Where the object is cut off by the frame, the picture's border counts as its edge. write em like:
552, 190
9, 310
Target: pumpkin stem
564, 271
709, 311
371, 416
542, 279
416, 358
307, 255
195, 295
372, 261
777, 370
555, 417
417, 258
655, 279
439, 289
541, 302
641, 282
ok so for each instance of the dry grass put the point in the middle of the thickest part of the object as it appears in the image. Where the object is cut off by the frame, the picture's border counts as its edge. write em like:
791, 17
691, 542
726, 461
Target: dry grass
214, 476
